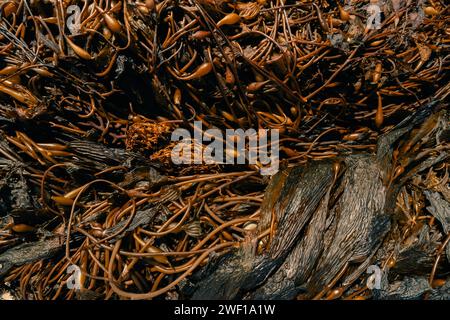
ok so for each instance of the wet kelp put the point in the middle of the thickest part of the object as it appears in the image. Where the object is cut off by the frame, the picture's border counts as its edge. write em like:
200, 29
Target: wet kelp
90, 92
328, 219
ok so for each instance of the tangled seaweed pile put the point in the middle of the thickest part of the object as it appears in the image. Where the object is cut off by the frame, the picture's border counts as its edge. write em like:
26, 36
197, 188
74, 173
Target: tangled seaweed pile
90, 92
327, 221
